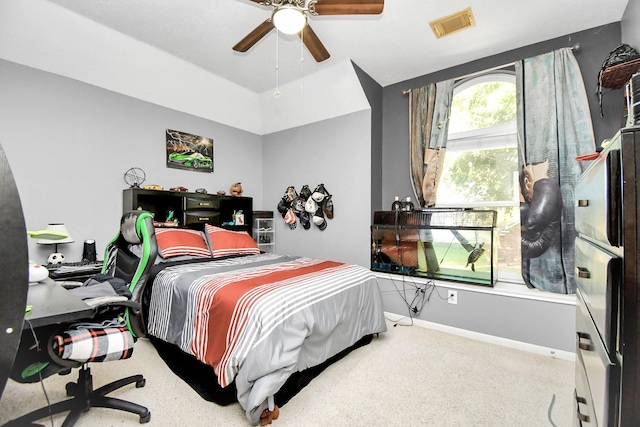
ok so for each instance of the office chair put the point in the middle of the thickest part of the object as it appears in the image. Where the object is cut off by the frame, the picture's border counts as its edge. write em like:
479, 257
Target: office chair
111, 332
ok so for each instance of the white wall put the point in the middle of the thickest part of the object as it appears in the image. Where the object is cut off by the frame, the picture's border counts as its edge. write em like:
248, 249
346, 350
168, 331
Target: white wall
336, 153
69, 144
49, 37
84, 138
333, 92
630, 24
46, 36
321, 134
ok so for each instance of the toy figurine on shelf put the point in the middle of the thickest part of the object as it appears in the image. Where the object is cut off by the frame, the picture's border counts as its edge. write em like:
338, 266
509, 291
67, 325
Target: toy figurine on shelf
236, 189
171, 220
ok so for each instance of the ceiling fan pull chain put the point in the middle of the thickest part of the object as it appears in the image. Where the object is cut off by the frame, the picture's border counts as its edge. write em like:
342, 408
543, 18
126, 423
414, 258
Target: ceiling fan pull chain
302, 63
276, 94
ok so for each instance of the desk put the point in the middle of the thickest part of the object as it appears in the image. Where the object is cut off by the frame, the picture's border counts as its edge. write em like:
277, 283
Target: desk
52, 304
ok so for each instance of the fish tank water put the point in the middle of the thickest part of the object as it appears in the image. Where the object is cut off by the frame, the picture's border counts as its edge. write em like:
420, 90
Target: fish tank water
456, 244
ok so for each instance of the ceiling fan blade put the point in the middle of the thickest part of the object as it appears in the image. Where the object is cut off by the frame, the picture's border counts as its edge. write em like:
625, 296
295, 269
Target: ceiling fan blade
348, 7
313, 43
252, 38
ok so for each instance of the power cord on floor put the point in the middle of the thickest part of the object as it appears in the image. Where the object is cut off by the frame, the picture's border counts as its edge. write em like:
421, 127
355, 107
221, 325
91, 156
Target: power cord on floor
422, 293
416, 303
553, 399
44, 390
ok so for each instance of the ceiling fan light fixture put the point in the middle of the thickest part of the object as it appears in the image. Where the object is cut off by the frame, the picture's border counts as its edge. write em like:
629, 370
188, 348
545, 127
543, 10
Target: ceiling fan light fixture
289, 19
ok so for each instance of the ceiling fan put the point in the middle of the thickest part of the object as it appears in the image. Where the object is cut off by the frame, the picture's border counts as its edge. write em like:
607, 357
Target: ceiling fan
294, 11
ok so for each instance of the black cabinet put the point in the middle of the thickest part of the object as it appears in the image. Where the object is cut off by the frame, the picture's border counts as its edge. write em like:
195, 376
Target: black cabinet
608, 279
192, 209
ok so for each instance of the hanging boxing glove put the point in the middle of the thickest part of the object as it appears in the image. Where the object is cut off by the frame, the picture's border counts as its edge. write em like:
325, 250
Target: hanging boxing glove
284, 207
318, 219
540, 218
298, 207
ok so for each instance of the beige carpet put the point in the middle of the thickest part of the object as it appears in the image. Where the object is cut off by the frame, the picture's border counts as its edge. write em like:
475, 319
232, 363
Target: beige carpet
409, 376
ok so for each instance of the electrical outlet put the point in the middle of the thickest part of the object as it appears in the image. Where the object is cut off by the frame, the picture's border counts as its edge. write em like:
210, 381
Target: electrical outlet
452, 297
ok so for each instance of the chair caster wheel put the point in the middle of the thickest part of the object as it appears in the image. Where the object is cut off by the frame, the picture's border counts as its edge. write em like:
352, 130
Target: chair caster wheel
72, 389
141, 383
145, 419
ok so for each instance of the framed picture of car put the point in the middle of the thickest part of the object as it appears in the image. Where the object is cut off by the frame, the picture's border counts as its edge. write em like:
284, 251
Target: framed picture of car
189, 152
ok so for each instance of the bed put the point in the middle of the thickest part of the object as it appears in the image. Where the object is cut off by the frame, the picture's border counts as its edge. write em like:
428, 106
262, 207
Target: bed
256, 318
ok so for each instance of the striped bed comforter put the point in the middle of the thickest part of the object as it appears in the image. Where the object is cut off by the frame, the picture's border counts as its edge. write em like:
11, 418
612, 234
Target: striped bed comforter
260, 318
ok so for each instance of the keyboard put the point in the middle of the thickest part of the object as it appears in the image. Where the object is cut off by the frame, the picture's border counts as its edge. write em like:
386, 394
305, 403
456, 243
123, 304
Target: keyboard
66, 269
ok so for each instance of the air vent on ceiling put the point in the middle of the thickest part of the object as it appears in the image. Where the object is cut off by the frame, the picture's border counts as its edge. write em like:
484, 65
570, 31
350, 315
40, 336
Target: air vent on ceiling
452, 23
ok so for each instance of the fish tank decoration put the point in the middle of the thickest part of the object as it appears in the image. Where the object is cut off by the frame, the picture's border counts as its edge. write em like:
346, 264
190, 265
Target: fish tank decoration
457, 244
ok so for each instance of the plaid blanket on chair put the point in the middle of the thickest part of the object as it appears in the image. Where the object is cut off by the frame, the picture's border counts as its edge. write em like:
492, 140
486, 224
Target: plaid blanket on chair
94, 344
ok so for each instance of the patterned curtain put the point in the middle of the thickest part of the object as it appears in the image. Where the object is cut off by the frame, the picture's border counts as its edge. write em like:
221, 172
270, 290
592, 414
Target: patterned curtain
429, 109
554, 126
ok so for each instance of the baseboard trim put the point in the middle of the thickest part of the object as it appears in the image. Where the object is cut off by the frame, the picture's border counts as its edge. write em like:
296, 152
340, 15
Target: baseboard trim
519, 345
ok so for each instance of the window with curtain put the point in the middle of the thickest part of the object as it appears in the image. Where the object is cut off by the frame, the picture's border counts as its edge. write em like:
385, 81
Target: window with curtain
511, 136
480, 169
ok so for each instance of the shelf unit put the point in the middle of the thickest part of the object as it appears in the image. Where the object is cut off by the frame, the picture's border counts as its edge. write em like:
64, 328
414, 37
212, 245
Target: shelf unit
264, 231
190, 209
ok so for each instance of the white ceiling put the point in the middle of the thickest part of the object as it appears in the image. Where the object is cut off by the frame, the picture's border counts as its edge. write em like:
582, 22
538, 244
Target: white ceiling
392, 47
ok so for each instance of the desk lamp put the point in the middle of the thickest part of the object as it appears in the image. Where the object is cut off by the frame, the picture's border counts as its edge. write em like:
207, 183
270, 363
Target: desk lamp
54, 234
36, 271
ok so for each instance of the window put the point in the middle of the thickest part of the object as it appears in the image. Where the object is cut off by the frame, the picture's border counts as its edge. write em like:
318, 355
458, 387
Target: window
481, 163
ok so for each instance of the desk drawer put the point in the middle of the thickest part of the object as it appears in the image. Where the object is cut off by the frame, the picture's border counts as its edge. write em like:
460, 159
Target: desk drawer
602, 373
598, 278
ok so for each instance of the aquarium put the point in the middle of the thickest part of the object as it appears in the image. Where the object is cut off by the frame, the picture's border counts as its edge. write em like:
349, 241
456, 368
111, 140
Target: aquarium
437, 243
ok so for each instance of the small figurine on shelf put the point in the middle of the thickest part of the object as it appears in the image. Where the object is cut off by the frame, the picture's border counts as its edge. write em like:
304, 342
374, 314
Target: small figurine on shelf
238, 217
171, 220
236, 189
396, 205
407, 204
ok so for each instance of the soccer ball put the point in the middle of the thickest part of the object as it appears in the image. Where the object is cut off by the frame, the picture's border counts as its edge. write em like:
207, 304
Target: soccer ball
55, 258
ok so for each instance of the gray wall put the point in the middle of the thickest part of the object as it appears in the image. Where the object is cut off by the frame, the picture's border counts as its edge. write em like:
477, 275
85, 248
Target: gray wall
531, 318
69, 144
535, 321
373, 91
595, 44
335, 152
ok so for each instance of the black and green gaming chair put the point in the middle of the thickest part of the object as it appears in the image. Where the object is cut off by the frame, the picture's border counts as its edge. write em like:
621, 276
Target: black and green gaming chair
128, 258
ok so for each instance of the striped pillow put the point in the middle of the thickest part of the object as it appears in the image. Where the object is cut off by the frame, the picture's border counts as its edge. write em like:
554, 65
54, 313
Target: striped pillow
225, 242
180, 241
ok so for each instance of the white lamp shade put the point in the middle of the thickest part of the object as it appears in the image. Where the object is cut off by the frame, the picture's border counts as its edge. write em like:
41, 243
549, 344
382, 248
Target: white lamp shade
59, 229
289, 19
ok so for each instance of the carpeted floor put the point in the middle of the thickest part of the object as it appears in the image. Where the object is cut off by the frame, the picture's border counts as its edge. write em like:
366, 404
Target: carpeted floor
409, 376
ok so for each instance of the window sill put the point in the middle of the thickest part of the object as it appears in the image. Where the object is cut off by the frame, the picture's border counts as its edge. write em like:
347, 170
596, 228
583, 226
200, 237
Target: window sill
512, 290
